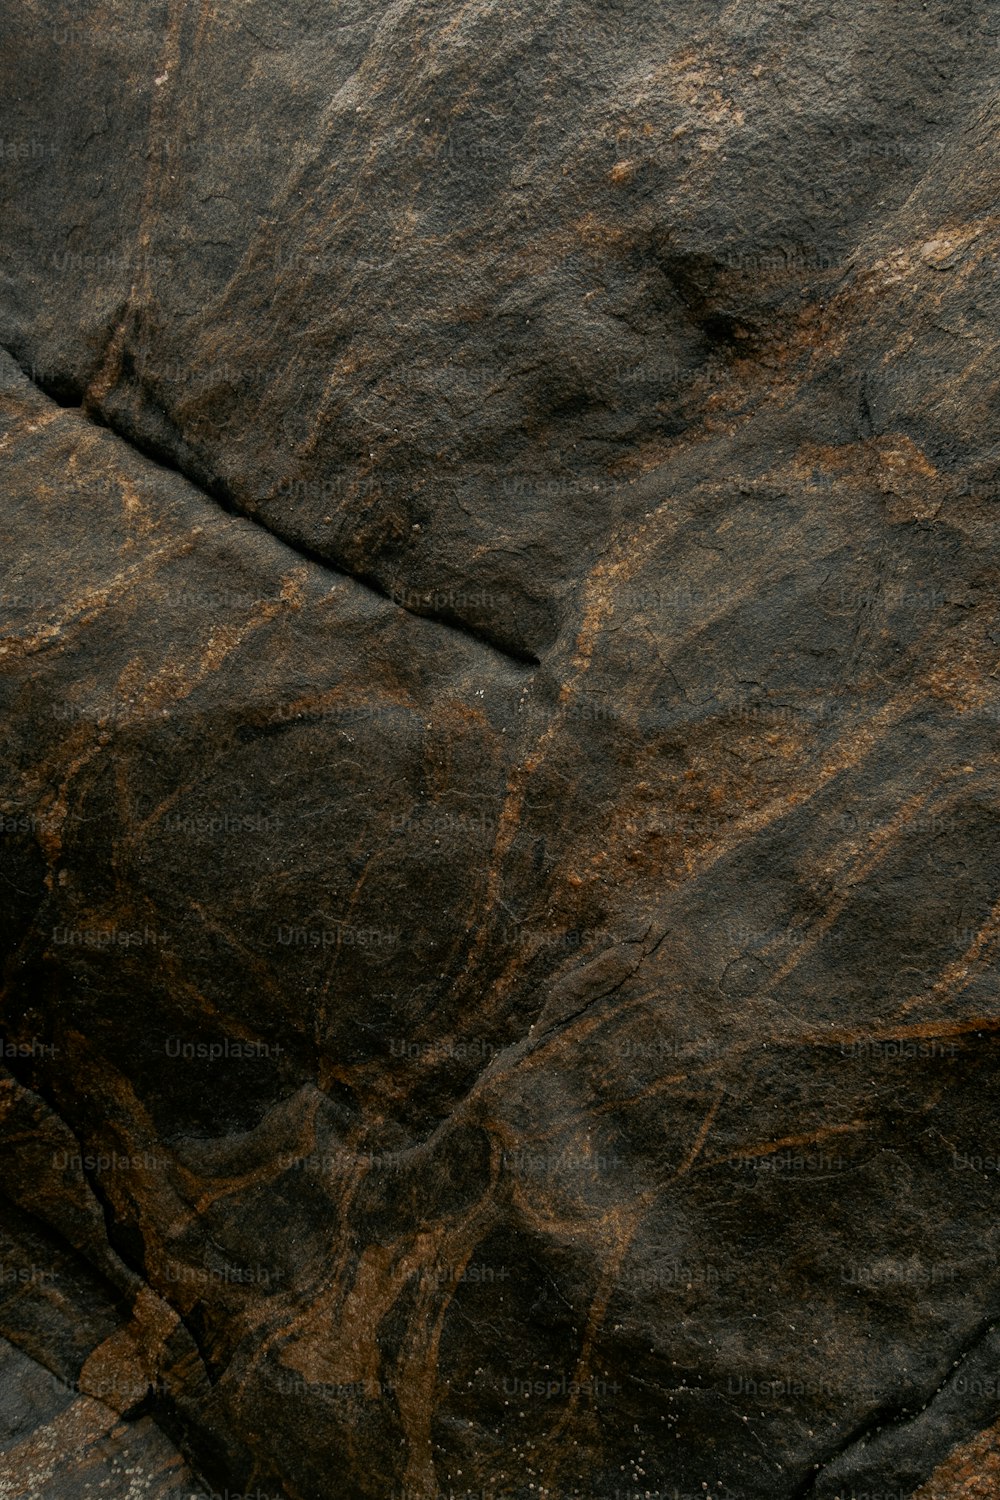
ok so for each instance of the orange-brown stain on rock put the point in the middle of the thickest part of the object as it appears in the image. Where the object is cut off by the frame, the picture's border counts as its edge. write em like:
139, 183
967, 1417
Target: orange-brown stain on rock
970, 1472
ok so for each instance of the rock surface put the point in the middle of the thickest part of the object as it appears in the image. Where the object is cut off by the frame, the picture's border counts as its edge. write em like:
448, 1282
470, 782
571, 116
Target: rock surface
501, 673
56, 1443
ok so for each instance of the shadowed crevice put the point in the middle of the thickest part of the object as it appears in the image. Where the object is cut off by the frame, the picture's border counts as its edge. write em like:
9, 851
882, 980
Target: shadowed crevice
68, 395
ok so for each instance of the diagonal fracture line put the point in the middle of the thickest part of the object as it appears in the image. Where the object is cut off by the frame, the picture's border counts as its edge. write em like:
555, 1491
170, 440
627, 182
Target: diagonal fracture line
153, 454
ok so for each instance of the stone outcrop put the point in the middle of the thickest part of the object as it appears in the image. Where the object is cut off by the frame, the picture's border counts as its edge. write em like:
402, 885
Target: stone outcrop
500, 666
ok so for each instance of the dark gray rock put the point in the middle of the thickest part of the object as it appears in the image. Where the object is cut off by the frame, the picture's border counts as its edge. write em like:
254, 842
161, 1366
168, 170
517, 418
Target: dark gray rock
499, 796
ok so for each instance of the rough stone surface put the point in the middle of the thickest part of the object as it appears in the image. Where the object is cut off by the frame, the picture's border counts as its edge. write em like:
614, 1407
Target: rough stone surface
500, 667
57, 1443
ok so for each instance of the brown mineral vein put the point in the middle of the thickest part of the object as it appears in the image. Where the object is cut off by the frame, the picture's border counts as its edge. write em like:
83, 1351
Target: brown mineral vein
505, 651
956, 975
163, 85
783, 1143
